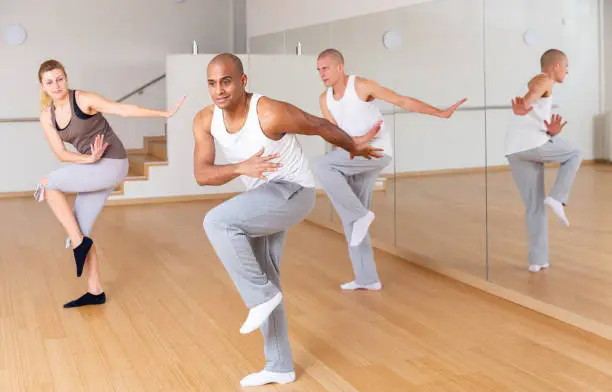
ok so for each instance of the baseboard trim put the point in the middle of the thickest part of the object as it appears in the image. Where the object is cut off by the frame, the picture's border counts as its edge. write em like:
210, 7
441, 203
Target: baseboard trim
178, 199
477, 170
513, 296
15, 195
168, 199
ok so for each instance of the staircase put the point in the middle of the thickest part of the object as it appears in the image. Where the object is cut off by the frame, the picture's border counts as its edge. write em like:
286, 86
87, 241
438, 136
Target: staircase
153, 153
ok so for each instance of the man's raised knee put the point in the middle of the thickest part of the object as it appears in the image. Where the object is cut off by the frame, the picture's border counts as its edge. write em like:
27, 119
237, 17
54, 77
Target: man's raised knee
213, 219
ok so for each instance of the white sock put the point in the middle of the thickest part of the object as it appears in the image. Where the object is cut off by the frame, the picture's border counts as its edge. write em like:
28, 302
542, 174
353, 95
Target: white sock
360, 228
557, 208
355, 286
260, 313
266, 377
538, 267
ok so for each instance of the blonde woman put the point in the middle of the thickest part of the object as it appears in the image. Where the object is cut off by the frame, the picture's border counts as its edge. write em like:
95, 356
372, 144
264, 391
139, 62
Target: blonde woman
98, 166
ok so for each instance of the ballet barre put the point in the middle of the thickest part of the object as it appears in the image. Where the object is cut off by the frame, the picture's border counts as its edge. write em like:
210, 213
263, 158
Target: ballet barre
19, 120
462, 109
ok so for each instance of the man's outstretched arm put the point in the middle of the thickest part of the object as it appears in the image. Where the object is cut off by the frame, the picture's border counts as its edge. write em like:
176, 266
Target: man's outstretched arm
279, 117
370, 88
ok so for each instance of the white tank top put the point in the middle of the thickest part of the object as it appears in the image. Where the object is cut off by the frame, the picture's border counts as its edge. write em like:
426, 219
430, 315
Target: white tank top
242, 145
356, 117
529, 131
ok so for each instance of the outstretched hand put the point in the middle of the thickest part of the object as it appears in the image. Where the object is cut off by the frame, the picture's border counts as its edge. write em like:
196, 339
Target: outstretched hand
97, 149
451, 110
172, 112
258, 164
519, 106
555, 126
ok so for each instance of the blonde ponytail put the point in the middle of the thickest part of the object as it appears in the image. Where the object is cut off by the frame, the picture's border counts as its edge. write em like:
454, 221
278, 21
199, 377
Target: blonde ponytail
45, 100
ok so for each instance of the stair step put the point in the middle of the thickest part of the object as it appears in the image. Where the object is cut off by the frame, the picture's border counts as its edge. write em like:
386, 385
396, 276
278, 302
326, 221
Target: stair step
155, 139
138, 161
159, 149
132, 173
154, 152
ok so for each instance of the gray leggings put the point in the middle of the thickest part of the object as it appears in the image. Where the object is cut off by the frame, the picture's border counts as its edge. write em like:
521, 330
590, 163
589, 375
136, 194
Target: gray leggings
528, 173
93, 183
248, 234
349, 183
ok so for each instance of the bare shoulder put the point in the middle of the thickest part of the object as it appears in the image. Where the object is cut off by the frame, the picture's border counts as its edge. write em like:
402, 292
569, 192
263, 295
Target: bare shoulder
267, 103
46, 121
45, 114
268, 109
361, 80
365, 88
85, 100
278, 117
364, 82
84, 96
541, 80
203, 118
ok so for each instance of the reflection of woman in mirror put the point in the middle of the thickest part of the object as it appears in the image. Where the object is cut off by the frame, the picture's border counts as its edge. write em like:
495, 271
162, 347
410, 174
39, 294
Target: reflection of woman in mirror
531, 141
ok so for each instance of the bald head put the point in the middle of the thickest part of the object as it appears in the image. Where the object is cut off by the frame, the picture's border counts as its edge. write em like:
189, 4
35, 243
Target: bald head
551, 57
332, 54
228, 60
226, 81
555, 64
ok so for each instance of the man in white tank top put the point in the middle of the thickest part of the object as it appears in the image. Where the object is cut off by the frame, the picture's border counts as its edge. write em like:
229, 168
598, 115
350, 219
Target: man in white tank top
257, 135
532, 141
349, 102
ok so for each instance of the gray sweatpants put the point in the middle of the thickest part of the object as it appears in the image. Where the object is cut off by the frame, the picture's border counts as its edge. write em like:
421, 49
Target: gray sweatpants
528, 173
349, 185
93, 183
248, 234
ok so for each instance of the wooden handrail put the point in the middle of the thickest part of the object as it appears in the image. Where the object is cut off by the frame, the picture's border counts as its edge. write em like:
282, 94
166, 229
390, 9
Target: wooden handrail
141, 88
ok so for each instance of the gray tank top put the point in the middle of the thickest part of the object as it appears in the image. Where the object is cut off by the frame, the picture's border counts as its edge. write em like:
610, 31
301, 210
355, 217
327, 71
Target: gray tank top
83, 128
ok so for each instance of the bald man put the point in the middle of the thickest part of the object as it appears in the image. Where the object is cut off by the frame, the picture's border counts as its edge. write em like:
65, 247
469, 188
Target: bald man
531, 141
349, 102
257, 135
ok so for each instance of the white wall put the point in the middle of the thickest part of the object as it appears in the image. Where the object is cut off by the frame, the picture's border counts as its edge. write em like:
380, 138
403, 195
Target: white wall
448, 53
110, 47
279, 77
269, 16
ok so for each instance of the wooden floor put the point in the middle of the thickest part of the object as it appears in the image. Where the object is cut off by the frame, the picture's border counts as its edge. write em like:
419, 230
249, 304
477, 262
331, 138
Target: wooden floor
173, 315
478, 227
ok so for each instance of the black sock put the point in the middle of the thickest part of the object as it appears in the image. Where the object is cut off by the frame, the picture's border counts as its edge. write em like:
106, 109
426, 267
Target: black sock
80, 254
87, 299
